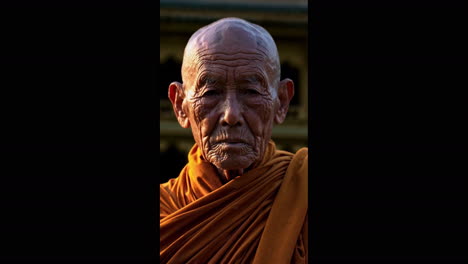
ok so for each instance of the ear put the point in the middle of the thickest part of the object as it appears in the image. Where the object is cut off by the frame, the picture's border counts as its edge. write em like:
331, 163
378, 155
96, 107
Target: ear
285, 94
176, 95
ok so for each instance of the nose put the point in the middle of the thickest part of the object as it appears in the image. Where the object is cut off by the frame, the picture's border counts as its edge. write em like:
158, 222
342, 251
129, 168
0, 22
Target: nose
232, 115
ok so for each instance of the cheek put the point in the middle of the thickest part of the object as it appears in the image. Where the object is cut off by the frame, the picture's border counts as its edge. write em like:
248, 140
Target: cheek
207, 126
204, 115
203, 107
259, 114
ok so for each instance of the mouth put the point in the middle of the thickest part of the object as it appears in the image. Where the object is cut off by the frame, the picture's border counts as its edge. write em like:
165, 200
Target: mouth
231, 141
232, 146
237, 144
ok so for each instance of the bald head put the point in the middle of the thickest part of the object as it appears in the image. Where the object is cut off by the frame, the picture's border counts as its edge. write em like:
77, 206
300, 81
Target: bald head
231, 93
231, 36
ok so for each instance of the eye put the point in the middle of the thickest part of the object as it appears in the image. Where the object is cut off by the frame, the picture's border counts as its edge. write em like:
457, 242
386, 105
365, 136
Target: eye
252, 92
206, 80
210, 81
211, 93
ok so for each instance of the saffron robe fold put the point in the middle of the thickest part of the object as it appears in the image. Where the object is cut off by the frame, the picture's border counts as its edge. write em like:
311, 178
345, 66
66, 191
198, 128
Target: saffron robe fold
259, 217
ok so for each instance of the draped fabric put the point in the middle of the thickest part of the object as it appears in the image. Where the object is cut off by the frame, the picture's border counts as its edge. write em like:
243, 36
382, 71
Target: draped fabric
259, 217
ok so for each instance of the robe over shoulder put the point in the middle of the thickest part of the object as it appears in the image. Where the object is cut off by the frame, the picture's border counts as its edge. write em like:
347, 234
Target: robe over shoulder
259, 217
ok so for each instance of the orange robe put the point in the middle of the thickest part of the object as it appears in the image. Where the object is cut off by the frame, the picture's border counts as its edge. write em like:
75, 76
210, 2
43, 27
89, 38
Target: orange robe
259, 217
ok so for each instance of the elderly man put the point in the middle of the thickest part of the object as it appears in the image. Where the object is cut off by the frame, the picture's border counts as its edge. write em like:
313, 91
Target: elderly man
239, 199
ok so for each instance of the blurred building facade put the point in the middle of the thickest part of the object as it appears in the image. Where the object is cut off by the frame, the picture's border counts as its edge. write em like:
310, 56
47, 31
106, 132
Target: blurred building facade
287, 23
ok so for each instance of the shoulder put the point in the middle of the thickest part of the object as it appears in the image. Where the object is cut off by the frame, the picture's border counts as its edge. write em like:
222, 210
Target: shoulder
300, 162
168, 186
302, 154
167, 203
303, 151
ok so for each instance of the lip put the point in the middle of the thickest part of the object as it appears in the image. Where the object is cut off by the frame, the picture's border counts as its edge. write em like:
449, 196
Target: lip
232, 141
232, 146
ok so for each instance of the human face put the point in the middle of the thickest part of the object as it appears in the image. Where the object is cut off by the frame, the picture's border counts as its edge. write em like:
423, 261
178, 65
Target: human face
230, 102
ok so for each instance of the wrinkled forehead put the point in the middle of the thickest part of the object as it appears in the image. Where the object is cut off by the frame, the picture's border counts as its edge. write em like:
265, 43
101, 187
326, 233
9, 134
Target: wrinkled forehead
230, 37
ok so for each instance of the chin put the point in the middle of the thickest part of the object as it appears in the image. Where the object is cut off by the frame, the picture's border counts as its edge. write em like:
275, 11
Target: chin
234, 163
227, 157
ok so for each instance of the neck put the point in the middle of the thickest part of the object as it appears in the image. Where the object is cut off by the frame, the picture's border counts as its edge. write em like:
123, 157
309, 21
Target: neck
227, 175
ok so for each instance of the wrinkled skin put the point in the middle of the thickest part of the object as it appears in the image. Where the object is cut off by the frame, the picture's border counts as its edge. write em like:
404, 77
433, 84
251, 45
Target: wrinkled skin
231, 94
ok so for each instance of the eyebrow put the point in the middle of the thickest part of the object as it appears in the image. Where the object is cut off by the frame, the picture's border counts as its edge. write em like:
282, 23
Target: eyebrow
207, 75
253, 77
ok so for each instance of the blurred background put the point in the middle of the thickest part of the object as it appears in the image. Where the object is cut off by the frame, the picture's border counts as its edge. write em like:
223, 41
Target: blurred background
287, 23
